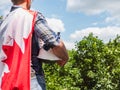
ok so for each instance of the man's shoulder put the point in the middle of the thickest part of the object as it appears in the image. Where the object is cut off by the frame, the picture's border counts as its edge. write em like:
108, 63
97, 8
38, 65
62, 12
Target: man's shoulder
40, 15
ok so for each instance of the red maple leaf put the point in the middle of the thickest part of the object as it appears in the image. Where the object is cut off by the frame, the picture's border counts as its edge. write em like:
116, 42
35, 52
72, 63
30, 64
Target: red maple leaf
19, 66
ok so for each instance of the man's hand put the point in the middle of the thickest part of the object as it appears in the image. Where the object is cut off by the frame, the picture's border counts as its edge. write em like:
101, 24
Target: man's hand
61, 52
61, 62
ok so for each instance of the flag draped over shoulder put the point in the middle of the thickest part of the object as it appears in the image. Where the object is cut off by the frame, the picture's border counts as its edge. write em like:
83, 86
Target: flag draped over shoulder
15, 50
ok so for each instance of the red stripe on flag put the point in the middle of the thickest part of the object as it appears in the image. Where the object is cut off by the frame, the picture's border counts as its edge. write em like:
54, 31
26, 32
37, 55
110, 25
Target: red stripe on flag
19, 65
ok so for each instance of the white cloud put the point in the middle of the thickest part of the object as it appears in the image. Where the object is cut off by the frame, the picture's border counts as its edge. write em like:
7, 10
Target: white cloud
56, 24
93, 7
3, 2
95, 23
114, 19
104, 34
69, 45
4, 6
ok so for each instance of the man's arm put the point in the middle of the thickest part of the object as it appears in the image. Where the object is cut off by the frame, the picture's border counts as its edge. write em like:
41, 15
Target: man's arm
44, 32
61, 52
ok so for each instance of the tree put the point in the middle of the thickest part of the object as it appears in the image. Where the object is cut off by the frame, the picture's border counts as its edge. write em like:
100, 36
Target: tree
98, 63
88, 58
93, 65
62, 78
113, 61
1, 17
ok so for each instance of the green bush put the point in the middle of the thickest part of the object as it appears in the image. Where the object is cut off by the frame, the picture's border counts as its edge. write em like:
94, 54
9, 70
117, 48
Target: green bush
93, 65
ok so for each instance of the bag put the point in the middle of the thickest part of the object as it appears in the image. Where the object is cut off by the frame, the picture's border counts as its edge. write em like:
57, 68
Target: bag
47, 55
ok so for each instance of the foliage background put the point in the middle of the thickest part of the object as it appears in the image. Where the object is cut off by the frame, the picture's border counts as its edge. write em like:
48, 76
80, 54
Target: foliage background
92, 65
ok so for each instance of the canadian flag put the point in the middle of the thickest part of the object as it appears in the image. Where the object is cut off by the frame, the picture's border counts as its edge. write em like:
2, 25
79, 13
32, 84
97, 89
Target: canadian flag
15, 50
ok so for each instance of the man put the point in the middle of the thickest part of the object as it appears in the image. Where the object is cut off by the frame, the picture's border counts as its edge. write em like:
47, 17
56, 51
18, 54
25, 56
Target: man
15, 34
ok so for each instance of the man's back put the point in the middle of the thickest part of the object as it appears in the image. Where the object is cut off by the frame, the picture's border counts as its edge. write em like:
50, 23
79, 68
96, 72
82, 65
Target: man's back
15, 50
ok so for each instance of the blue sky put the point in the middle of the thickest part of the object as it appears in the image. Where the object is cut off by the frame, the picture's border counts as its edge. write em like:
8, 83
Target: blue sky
77, 18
